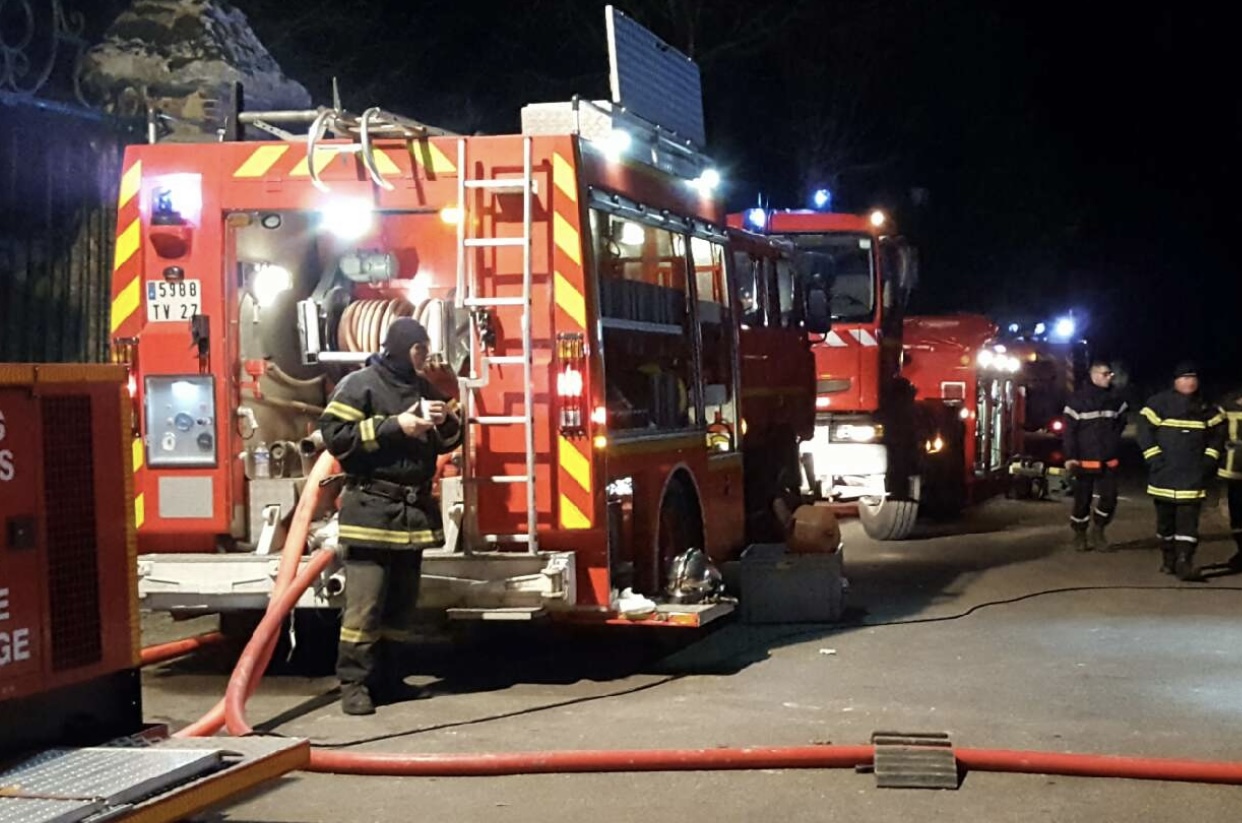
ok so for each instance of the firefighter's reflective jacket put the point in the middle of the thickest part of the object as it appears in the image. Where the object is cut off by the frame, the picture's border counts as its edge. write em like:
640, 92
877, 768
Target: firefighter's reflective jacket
387, 502
1181, 438
1094, 420
1231, 465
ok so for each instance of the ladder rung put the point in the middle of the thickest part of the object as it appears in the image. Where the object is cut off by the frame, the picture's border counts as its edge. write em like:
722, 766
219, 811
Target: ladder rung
499, 421
507, 538
507, 360
483, 302
494, 242
514, 184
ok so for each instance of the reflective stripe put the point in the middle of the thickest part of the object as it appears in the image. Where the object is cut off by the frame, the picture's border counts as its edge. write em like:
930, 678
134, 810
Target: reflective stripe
1228, 475
1174, 423
1216, 420
1151, 416
1212, 453
1123, 408
1183, 538
1152, 452
423, 537
1079, 519
358, 636
348, 413
1176, 494
1068, 412
1104, 414
1101, 512
366, 430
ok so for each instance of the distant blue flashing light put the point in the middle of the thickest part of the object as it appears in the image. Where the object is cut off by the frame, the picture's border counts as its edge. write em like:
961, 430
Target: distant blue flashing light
1064, 328
757, 217
822, 198
1013, 328
1041, 328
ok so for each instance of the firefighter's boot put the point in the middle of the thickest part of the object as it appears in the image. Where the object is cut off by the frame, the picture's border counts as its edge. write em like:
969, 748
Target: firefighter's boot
1080, 543
1099, 541
1168, 558
356, 699
1184, 566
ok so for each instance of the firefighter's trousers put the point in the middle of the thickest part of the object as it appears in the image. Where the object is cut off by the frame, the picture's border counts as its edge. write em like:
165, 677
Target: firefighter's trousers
1233, 490
1089, 485
1177, 525
381, 593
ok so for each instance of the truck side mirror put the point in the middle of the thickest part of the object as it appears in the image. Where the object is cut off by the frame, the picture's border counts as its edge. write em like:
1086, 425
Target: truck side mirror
818, 309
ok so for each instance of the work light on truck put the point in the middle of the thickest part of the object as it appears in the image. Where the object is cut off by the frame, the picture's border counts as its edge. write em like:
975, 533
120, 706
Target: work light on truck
570, 384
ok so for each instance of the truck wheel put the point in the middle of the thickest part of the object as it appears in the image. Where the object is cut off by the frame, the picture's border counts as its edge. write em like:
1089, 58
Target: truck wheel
888, 519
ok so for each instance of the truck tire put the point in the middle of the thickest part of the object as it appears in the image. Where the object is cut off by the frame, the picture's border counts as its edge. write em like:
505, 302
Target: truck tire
888, 519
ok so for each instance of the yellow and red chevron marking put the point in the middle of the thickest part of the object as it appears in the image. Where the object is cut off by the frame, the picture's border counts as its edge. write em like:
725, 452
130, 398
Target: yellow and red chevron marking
126, 319
286, 161
127, 260
575, 472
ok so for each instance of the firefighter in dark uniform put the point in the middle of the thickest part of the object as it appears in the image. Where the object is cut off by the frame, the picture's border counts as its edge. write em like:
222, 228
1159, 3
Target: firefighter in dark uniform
1094, 420
386, 424
1181, 437
1231, 470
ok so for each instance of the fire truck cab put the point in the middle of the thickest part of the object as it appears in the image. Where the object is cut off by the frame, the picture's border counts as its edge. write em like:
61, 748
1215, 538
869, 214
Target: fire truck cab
864, 448
970, 404
581, 291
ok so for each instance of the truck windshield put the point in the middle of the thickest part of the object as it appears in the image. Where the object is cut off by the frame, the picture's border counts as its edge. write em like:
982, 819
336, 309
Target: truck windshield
843, 261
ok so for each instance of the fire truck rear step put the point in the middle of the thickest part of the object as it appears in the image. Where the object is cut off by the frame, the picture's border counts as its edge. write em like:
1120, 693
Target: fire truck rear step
204, 583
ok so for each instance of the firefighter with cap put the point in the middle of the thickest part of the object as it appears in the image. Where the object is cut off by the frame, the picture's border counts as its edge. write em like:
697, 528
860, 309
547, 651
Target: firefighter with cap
1231, 470
1094, 420
1181, 437
386, 424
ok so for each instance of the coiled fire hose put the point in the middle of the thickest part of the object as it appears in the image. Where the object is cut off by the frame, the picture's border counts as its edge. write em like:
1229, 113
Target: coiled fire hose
289, 587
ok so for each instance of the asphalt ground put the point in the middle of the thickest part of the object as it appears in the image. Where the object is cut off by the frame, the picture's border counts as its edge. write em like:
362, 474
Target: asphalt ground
988, 628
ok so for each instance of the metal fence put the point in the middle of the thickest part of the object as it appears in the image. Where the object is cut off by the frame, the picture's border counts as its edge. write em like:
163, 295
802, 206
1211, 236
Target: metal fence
59, 173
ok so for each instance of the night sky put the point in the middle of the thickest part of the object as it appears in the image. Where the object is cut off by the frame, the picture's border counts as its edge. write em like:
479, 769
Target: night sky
1044, 157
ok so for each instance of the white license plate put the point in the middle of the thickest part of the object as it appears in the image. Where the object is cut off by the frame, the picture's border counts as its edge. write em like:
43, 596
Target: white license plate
169, 302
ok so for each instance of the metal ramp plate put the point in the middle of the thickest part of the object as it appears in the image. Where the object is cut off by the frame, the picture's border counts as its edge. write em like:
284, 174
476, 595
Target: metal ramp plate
113, 776
915, 760
38, 810
166, 781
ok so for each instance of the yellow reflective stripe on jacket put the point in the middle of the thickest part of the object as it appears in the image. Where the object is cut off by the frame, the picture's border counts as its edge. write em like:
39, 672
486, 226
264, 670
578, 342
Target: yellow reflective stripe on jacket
358, 636
395, 536
1151, 416
366, 430
1225, 474
1174, 494
1212, 453
348, 413
1174, 423
1154, 451
1217, 420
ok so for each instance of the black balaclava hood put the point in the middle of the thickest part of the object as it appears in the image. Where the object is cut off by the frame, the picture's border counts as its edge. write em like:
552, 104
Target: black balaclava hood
402, 334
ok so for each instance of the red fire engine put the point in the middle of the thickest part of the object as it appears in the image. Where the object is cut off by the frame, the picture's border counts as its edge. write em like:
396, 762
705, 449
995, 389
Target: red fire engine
582, 294
970, 404
865, 447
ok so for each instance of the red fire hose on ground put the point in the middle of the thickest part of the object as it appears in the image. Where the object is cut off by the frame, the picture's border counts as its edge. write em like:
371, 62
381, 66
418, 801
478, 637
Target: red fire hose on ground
254, 658
163, 652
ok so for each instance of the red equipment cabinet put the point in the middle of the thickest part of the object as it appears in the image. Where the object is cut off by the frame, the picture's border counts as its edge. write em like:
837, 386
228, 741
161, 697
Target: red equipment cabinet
68, 603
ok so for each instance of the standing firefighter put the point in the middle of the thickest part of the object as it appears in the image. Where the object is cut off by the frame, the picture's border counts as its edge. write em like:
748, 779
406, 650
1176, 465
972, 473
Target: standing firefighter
1181, 437
1094, 420
386, 424
1231, 470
